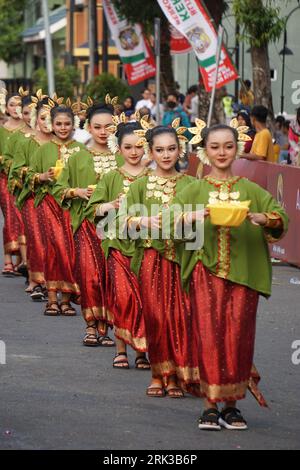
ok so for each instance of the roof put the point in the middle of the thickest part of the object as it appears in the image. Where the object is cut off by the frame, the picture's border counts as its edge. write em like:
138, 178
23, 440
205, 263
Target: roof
57, 20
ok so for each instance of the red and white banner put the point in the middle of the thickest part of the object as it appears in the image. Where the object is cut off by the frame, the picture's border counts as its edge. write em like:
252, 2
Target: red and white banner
191, 19
134, 52
178, 44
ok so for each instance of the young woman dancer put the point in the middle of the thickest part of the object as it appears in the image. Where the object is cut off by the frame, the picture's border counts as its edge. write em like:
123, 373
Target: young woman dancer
122, 292
55, 223
23, 160
226, 278
13, 232
165, 305
73, 190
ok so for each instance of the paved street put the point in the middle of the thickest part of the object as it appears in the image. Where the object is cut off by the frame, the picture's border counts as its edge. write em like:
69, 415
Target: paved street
58, 394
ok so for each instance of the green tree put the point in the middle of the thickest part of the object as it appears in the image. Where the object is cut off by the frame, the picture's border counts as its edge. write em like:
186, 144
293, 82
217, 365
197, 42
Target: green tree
11, 28
67, 80
262, 25
106, 83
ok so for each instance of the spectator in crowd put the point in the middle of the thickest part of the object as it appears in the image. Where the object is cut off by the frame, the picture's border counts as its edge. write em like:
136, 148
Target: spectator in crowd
246, 95
294, 140
173, 111
180, 95
129, 105
262, 147
145, 101
284, 147
243, 118
187, 105
281, 139
154, 109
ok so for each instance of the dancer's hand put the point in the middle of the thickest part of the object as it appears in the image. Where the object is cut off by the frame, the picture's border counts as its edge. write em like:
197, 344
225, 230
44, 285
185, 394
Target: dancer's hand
48, 175
257, 219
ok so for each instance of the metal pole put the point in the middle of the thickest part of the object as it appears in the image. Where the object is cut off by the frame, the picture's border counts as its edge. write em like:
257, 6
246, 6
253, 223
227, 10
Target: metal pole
104, 43
157, 77
71, 39
96, 53
91, 39
49, 51
237, 59
218, 56
283, 71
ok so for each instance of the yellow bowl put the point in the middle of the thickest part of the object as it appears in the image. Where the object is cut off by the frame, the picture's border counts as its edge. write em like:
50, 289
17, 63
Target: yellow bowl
228, 214
58, 168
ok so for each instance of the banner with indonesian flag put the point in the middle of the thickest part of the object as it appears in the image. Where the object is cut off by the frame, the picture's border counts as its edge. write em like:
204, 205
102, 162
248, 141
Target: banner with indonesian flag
191, 19
134, 52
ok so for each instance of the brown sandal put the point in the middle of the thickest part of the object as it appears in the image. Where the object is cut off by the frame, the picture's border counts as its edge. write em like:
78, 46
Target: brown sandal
174, 392
69, 311
156, 391
8, 272
90, 339
52, 312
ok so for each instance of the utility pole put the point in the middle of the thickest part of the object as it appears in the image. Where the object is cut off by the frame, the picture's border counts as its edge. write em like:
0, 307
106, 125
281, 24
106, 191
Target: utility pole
71, 32
157, 36
48, 47
92, 44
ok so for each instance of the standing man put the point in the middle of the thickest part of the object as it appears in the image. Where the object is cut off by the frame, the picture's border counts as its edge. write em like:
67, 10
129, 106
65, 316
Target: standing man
262, 148
145, 101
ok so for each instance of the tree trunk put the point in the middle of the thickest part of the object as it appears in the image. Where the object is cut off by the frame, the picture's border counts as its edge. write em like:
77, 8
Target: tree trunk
262, 77
167, 75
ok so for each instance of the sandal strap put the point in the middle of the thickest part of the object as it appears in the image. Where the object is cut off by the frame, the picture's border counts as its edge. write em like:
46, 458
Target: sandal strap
232, 415
52, 303
120, 354
210, 415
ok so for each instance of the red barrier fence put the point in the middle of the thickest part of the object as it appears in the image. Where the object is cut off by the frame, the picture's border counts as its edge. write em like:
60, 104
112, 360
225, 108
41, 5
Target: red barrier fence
283, 182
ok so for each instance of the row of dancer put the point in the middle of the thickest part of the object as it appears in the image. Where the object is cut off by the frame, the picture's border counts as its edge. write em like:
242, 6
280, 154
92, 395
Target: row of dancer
193, 310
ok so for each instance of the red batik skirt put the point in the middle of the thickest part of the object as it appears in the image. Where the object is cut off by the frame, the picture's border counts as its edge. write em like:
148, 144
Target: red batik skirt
35, 248
58, 242
166, 309
90, 273
123, 300
224, 320
13, 230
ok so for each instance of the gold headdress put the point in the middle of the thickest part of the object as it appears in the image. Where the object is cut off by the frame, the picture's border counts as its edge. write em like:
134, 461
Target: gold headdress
243, 137
180, 130
3, 94
141, 133
22, 94
33, 105
113, 101
112, 141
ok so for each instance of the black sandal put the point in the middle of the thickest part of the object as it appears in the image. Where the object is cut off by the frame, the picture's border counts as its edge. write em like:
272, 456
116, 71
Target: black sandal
209, 420
69, 311
142, 363
229, 416
52, 312
121, 363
